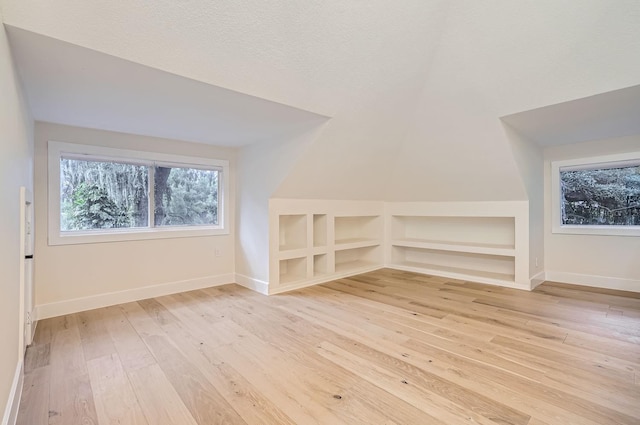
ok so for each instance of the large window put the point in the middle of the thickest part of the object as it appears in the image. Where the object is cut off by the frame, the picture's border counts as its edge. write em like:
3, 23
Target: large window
100, 194
597, 195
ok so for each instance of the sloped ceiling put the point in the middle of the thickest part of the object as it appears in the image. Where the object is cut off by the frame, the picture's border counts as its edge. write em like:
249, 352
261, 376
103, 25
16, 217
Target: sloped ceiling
72, 85
311, 54
415, 92
602, 116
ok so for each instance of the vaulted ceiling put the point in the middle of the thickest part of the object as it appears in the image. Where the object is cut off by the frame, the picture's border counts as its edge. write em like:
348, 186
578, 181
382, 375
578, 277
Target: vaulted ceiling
413, 93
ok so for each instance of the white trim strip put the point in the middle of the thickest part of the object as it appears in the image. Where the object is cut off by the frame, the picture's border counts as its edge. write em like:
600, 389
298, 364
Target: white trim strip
13, 402
621, 284
323, 279
537, 279
44, 311
257, 285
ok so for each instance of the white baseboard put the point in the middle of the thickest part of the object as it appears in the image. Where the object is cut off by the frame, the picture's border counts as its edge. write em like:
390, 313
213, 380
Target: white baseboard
322, 279
460, 276
537, 279
13, 403
595, 281
254, 284
44, 311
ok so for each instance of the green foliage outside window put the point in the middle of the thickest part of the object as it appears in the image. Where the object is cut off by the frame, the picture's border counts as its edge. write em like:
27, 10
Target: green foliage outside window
109, 195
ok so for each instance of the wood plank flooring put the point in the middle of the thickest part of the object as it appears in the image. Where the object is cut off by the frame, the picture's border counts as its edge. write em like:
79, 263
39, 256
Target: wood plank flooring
386, 347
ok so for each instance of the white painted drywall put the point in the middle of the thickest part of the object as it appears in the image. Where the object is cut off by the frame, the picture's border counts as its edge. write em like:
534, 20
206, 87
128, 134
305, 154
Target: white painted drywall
601, 116
63, 273
261, 169
499, 57
16, 170
613, 261
529, 159
86, 89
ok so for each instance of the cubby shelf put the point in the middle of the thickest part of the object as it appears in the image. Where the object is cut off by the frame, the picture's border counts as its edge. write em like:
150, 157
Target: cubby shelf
356, 266
293, 270
320, 265
357, 258
349, 229
319, 230
293, 232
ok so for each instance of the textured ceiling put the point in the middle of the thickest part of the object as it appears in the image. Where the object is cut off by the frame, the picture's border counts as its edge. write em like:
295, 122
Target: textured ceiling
312, 54
71, 85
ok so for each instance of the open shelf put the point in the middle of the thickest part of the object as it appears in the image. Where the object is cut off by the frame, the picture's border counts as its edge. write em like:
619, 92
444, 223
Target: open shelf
357, 229
356, 243
355, 266
319, 230
353, 260
477, 267
320, 265
469, 234
319, 240
293, 270
293, 232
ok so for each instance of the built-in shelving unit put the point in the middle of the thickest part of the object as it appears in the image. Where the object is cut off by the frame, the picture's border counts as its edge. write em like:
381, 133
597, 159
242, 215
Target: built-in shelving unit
320, 241
467, 241
317, 241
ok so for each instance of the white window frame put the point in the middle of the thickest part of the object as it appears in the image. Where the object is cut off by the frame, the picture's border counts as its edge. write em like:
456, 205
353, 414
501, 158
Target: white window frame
596, 162
57, 150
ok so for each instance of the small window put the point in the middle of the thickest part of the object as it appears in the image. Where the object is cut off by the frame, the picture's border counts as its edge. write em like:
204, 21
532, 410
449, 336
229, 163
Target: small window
100, 194
597, 195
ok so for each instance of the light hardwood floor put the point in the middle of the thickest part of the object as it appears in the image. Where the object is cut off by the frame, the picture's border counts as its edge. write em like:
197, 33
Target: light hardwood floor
387, 347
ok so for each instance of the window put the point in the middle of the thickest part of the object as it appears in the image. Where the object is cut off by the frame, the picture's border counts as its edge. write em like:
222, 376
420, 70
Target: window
598, 195
99, 194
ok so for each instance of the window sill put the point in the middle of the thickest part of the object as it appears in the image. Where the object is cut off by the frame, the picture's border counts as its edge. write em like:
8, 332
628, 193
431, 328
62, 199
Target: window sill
597, 230
90, 237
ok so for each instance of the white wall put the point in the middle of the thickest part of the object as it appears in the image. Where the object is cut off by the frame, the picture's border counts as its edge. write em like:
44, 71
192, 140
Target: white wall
261, 169
528, 157
16, 170
67, 272
500, 57
607, 261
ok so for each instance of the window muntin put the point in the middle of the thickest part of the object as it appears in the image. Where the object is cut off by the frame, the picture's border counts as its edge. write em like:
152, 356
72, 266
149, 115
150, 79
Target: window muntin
128, 211
598, 195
